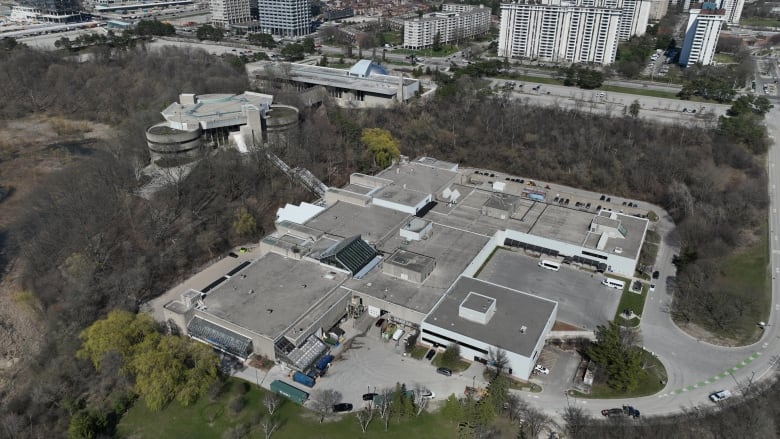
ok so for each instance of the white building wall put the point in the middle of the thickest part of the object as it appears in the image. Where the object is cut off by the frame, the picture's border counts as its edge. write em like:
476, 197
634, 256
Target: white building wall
287, 18
484, 254
402, 207
616, 263
701, 37
559, 32
227, 12
733, 10
451, 24
521, 365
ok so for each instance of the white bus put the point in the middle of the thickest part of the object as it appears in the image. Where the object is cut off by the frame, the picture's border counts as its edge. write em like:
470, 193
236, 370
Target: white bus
550, 265
613, 283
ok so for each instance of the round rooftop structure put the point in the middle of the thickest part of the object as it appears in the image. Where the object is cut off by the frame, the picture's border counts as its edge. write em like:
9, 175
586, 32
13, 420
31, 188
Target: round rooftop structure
166, 142
279, 121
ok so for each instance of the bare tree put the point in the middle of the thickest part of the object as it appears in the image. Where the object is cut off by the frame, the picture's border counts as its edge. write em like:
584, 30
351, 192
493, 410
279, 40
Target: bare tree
514, 407
535, 421
420, 398
271, 402
498, 359
383, 404
323, 401
270, 424
364, 417
576, 420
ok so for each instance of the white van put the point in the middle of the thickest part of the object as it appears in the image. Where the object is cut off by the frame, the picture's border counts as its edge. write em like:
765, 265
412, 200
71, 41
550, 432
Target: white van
398, 334
613, 283
549, 265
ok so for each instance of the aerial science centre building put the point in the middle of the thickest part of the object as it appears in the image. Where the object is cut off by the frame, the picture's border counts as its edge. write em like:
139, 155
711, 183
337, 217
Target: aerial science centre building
408, 244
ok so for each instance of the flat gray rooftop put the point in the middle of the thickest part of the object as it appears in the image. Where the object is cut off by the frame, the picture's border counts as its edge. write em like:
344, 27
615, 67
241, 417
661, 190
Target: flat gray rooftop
514, 309
563, 224
452, 249
345, 220
216, 108
284, 290
401, 195
328, 76
418, 177
582, 300
409, 260
358, 189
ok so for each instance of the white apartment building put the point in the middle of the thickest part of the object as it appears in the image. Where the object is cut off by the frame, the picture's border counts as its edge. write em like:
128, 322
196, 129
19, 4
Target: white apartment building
454, 22
634, 15
701, 36
557, 31
733, 10
227, 12
287, 18
658, 9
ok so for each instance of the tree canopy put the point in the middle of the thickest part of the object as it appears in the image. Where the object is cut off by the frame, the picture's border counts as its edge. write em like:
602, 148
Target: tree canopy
615, 352
164, 367
382, 146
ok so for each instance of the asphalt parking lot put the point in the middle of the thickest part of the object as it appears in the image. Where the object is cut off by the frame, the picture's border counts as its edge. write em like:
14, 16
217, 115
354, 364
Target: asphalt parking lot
582, 300
371, 364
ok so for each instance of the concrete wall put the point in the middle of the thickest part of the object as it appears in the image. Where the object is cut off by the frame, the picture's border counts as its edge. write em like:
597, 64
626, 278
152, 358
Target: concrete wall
402, 207
334, 194
521, 365
484, 254
165, 142
396, 310
368, 180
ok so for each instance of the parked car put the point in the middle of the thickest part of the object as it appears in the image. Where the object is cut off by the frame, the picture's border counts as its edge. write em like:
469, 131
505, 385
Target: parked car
232, 255
342, 407
430, 354
612, 412
630, 411
369, 396
656, 274
428, 394
444, 371
379, 323
541, 369
652, 287
720, 395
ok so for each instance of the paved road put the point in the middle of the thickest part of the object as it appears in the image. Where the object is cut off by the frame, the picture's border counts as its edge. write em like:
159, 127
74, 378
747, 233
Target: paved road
612, 103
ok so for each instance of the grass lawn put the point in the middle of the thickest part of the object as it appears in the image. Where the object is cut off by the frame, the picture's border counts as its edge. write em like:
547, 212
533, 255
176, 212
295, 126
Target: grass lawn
393, 38
207, 420
633, 301
419, 352
639, 91
651, 382
458, 366
445, 51
724, 58
759, 22
746, 275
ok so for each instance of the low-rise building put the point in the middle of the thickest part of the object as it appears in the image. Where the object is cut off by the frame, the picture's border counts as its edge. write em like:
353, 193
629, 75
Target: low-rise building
364, 85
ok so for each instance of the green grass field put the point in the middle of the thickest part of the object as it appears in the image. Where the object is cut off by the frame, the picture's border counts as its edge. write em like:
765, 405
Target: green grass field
759, 22
651, 382
207, 420
639, 91
724, 58
445, 51
633, 301
746, 275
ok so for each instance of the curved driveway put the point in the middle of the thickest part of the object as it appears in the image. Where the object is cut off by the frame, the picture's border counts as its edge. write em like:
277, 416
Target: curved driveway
695, 368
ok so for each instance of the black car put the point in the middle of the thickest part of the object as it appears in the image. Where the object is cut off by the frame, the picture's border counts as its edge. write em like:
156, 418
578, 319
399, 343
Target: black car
430, 354
369, 396
444, 371
656, 274
232, 255
342, 407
